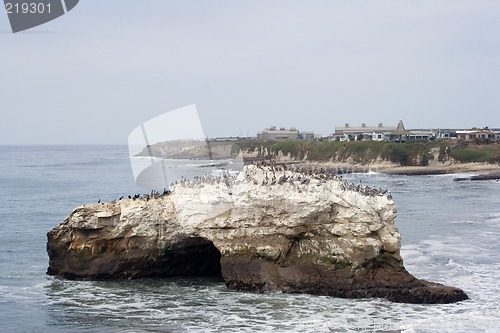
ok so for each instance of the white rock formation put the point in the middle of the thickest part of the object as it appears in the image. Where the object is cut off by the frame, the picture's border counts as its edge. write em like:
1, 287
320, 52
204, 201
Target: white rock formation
263, 230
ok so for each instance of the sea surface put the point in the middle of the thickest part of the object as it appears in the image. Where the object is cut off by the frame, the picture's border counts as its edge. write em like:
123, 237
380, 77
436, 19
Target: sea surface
450, 234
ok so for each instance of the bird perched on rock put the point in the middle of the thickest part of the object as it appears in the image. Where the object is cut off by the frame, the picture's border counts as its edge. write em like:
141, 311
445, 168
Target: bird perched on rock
384, 191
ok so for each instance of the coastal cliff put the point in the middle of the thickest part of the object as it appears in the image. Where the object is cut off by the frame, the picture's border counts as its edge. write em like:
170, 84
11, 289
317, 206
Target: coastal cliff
410, 158
265, 230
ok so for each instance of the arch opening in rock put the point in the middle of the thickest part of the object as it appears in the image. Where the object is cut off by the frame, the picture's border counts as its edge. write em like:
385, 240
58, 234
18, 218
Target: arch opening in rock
192, 257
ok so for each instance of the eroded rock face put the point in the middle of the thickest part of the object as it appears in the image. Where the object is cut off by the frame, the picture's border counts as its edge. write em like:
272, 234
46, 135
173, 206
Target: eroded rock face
264, 230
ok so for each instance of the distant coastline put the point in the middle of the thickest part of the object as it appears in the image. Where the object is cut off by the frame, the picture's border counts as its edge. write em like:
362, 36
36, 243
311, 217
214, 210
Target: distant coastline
409, 158
388, 168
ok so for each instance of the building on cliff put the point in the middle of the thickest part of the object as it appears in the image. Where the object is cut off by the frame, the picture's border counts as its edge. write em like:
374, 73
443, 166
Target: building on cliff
380, 133
473, 134
282, 134
363, 132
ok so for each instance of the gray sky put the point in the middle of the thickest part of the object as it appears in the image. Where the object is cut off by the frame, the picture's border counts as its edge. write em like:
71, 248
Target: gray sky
94, 74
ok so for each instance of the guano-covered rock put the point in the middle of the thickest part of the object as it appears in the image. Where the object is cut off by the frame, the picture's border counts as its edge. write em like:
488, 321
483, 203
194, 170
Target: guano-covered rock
264, 230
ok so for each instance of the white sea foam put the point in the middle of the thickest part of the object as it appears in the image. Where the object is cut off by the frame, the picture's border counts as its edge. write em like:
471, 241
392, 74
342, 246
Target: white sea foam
455, 175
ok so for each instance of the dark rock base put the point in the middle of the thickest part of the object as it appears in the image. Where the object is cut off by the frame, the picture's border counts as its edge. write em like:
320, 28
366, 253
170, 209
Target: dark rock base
110, 259
392, 283
383, 276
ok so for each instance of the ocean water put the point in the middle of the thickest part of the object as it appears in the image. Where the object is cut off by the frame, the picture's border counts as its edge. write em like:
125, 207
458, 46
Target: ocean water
450, 234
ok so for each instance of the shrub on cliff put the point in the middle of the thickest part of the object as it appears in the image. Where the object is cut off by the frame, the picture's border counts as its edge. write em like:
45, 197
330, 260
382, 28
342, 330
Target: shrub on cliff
424, 160
399, 155
408, 153
466, 156
287, 147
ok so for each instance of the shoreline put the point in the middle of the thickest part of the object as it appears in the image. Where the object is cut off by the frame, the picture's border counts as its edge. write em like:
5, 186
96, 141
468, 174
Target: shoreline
472, 168
392, 168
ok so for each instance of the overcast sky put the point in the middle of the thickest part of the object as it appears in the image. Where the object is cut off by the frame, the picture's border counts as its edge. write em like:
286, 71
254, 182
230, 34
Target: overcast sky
94, 74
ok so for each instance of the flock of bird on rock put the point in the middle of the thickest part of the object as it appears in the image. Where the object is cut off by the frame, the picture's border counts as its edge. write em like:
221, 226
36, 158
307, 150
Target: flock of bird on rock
147, 196
303, 174
280, 174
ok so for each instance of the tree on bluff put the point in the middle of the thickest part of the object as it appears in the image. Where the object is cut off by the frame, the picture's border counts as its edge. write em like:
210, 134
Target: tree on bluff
399, 155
